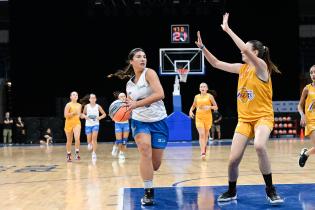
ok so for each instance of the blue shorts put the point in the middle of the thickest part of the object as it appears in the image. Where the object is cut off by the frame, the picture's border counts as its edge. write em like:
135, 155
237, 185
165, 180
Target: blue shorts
158, 131
91, 129
121, 127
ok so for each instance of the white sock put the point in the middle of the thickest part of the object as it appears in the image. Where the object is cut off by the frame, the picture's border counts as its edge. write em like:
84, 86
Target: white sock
77, 150
148, 184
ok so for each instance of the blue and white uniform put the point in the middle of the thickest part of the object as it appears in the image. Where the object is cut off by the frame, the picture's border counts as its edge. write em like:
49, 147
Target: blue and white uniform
122, 127
150, 119
92, 124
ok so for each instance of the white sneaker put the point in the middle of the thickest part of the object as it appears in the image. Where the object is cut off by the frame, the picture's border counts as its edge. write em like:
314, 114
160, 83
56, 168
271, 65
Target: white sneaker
121, 156
90, 147
94, 158
114, 151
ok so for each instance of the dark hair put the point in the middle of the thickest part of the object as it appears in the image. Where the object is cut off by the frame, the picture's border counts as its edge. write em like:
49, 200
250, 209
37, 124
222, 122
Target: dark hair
263, 53
213, 92
116, 94
127, 72
85, 100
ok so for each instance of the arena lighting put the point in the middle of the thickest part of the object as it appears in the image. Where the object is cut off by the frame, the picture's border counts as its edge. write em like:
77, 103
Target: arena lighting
99, 2
137, 2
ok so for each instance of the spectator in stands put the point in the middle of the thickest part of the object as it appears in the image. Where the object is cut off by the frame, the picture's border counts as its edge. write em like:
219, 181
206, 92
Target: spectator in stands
217, 118
7, 129
20, 131
47, 137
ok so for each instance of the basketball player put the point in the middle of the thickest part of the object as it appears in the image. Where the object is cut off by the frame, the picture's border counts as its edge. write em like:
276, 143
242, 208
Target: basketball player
148, 121
205, 103
91, 114
121, 132
72, 114
254, 106
307, 103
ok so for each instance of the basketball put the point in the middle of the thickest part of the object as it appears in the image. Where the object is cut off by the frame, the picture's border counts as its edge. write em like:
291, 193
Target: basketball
118, 111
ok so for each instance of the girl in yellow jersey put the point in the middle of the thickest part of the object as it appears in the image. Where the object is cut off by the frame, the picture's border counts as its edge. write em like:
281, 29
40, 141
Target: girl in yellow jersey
254, 106
204, 102
72, 114
307, 111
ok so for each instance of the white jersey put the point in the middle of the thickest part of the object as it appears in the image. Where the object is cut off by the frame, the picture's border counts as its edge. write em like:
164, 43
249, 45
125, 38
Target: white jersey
140, 90
92, 113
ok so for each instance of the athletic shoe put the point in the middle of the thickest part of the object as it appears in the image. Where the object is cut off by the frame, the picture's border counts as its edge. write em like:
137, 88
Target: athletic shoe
121, 156
272, 196
203, 156
77, 156
69, 157
90, 147
227, 196
114, 151
303, 157
148, 198
94, 158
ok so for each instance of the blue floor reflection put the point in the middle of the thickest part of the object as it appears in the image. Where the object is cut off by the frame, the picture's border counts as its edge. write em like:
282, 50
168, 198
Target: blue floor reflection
297, 196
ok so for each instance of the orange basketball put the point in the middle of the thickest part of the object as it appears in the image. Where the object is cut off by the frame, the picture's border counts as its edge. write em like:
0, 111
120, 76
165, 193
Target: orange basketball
119, 112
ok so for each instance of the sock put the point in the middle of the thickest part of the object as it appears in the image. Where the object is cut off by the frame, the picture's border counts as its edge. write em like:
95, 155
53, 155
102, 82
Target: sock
124, 141
148, 184
68, 153
76, 150
232, 186
268, 179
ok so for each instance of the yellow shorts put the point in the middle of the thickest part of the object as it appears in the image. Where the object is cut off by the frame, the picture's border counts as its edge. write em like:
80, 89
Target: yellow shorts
248, 128
203, 123
69, 126
309, 128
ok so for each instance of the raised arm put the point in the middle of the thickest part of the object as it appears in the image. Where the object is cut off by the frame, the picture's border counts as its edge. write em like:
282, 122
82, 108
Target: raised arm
260, 64
216, 63
301, 106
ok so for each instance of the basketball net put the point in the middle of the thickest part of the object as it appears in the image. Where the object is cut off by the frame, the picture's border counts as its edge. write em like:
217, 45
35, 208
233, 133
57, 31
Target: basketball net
183, 73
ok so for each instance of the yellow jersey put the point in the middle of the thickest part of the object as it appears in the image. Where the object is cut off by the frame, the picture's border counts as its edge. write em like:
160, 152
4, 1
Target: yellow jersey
254, 96
309, 104
74, 107
202, 103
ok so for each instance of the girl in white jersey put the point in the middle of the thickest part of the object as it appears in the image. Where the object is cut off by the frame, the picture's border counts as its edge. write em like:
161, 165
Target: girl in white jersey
121, 132
91, 114
148, 121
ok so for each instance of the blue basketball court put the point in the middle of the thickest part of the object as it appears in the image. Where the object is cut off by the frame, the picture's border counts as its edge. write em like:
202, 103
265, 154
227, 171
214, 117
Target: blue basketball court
250, 197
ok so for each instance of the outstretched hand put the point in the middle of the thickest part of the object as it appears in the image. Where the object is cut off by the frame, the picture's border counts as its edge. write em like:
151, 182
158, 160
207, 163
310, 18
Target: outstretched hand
225, 24
199, 40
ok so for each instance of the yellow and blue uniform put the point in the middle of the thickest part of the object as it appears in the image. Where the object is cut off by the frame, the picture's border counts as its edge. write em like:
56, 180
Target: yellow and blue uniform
203, 113
254, 102
73, 121
310, 110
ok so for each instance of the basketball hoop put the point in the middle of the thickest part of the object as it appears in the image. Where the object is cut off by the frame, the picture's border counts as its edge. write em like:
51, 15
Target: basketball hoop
183, 73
